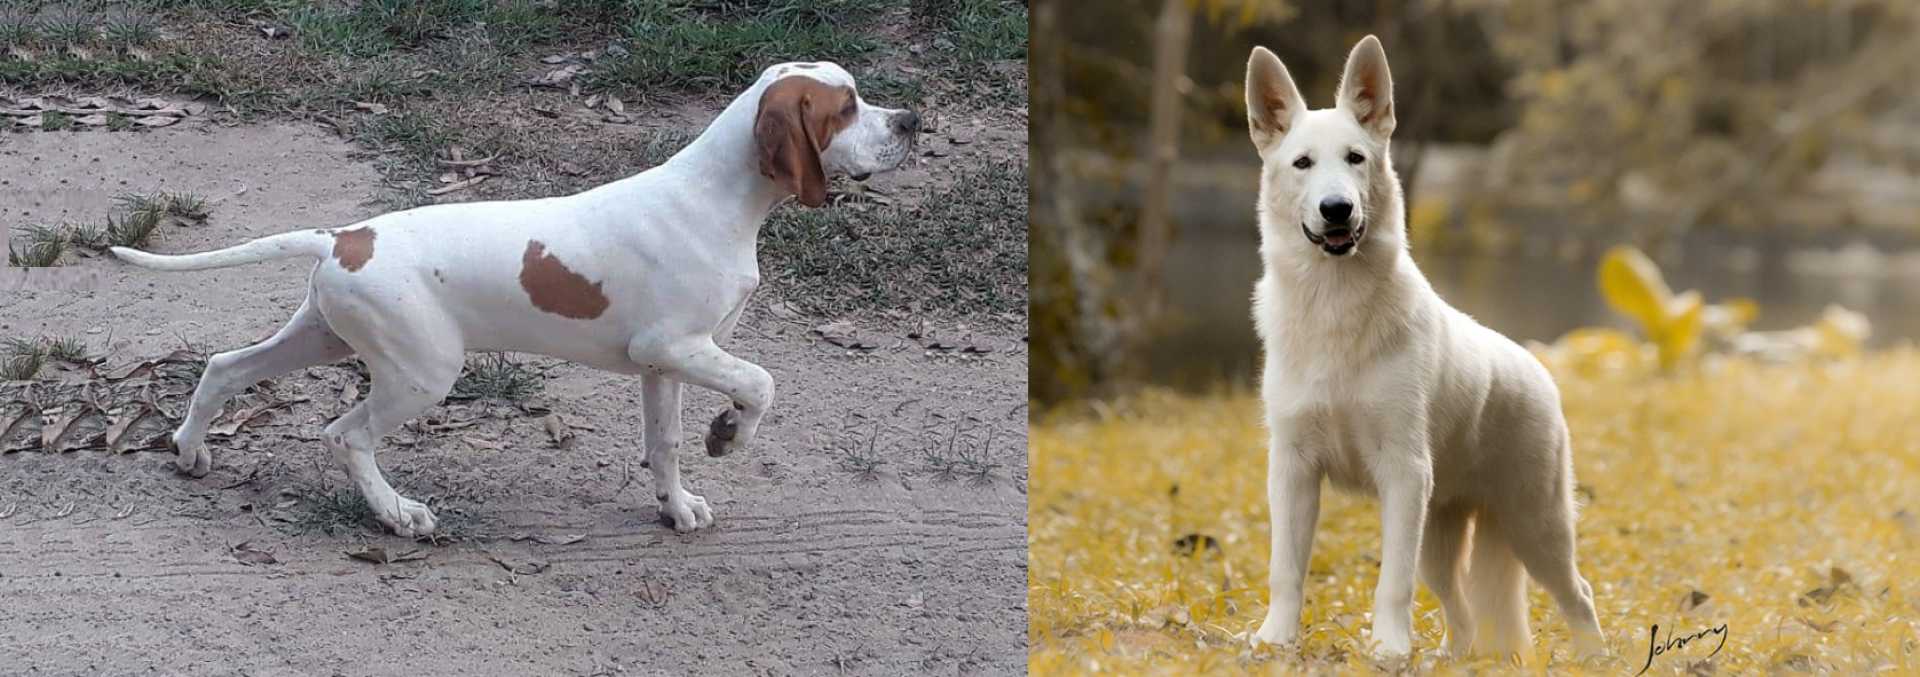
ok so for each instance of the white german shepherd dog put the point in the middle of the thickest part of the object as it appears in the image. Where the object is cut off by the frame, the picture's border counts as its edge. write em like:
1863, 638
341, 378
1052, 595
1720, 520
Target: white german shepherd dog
1374, 381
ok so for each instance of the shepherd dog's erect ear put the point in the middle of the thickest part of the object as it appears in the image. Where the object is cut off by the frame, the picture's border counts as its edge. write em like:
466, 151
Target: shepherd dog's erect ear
1366, 89
1272, 99
797, 120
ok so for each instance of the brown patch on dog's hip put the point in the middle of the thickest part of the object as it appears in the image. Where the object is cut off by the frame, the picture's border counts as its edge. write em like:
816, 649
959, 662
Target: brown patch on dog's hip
555, 289
353, 248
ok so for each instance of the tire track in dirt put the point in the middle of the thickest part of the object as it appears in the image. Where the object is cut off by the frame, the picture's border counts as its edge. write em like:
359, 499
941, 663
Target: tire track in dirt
94, 552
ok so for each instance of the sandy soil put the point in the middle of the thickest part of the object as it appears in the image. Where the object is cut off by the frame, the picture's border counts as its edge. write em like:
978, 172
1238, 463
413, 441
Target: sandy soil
116, 565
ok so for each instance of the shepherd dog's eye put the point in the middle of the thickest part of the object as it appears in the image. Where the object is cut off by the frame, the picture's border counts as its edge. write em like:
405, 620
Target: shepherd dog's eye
1355, 158
1303, 163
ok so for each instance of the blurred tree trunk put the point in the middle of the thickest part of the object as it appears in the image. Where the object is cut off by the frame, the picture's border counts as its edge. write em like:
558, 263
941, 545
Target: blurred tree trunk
1171, 34
1069, 329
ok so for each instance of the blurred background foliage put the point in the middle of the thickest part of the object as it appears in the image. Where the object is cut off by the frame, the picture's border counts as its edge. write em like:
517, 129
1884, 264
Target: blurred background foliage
1763, 149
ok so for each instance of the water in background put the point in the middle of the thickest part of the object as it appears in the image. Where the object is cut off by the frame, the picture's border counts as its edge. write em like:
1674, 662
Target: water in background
1210, 281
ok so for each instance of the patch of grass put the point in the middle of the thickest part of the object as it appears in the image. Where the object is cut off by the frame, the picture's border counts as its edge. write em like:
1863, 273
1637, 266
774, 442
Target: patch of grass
42, 246
17, 27
21, 359
803, 12
333, 512
411, 135
518, 23
70, 349
131, 29
56, 121
374, 27
963, 250
143, 213
90, 236
335, 31
494, 376
186, 205
959, 456
979, 31
1745, 481
658, 146
673, 46
893, 90
154, 204
975, 40
131, 230
172, 72
70, 27
412, 23
863, 458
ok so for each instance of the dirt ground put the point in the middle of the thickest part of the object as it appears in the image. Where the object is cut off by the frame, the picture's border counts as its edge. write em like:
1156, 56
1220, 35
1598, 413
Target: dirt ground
553, 561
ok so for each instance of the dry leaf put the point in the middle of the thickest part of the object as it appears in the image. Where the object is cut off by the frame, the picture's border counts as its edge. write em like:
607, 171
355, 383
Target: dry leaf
562, 539
95, 120
121, 424
1692, 600
618, 107
371, 107
54, 428
458, 160
156, 120
379, 555
523, 569
557, 430
370, 553
246, 417
489, 445
246, 554
558, 77
475, 181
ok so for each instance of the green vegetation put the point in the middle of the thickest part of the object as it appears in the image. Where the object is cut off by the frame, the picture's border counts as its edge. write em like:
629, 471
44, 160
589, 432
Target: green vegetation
963, 249
674, 46
495, 376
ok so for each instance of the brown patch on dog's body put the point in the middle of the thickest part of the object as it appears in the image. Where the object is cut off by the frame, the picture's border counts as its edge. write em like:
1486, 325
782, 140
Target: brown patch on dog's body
554, 288
353, 248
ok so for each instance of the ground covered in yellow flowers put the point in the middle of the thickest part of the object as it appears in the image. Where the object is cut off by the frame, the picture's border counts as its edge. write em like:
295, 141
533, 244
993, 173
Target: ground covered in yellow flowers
1780, 500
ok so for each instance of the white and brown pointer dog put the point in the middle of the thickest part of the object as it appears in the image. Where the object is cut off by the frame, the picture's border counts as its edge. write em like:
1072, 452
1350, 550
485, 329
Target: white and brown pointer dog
646, 275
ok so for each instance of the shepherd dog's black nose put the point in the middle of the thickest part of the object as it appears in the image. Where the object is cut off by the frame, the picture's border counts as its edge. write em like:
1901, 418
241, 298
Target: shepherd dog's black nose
1336, 210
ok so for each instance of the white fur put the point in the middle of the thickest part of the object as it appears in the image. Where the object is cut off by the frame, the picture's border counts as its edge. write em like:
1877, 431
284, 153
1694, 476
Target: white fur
1373, 381
673, 248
